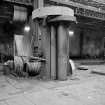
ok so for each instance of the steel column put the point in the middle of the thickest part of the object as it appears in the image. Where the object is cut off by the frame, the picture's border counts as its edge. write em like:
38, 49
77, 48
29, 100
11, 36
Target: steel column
53, 52
62, 52
46, 45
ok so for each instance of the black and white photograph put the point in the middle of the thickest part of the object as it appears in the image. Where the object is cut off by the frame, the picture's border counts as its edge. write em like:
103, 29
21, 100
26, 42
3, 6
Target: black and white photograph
52, 52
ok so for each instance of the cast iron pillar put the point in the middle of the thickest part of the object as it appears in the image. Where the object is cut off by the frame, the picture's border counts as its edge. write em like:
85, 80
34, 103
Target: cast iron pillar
53, 53
62, 52
55, 39
46, 50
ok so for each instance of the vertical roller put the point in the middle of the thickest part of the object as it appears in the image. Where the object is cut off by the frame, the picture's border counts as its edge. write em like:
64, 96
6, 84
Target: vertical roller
53, 52
62, 52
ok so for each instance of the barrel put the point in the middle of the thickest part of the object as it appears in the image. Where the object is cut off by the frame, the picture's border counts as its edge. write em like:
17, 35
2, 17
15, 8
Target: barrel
33, 68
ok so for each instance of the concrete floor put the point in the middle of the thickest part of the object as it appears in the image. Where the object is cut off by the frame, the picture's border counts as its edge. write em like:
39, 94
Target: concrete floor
87, 89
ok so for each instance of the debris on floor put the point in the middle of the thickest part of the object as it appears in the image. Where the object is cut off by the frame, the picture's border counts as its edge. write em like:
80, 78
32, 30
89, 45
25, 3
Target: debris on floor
82, 68
100, 72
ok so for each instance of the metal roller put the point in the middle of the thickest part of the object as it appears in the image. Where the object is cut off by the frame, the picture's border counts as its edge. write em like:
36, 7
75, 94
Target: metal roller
33, 68
20, 13
18, 66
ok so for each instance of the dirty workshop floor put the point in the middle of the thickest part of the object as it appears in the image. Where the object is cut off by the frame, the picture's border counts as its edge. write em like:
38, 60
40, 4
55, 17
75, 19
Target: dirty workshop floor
86, 89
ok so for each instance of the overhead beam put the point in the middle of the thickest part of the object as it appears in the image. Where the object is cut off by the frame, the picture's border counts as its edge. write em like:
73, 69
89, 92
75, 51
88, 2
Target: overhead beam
20, 2
4, 17
74, 4
100, 1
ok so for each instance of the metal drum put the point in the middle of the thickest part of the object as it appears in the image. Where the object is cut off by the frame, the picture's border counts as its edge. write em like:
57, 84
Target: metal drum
33, 68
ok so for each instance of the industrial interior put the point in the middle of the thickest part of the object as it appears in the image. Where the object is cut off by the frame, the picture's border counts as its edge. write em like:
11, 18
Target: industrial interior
52, 52
36, 40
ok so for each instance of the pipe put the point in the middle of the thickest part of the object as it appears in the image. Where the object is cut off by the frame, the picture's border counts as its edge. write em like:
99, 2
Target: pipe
53, 52
62, 52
